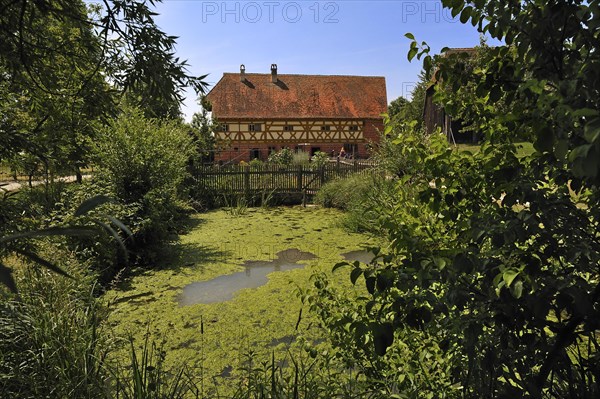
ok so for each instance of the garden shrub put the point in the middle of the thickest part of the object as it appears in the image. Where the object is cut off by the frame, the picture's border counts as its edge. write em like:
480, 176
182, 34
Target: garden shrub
143, 164
285, 156
362, 196
344, 193
396, 151
255, 163
300, 158
319, 159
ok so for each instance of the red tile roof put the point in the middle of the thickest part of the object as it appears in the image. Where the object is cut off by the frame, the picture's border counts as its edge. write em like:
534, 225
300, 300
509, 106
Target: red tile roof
298, 96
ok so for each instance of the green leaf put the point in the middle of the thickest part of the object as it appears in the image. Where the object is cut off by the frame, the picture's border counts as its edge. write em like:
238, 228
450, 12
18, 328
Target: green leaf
120, 225
427, 63
587, 112
340, 265
52, 231
591, 163
370, 283
579, 152
115, 235
410, 36
383, 337
412, 52
457, 6
509, 275
440, 263
544, 139
355, 274
92, 203
7, 279
495, 94
35, 258
384, 280
561, 149
591, 131
465, 14
517, 289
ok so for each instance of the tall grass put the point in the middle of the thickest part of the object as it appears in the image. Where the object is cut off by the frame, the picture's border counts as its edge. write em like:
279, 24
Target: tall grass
146, 378
51, 343
363, 197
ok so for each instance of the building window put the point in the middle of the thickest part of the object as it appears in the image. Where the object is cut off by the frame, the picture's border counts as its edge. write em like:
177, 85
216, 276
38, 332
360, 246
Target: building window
353, 128
254, 153
288, 128
272, 150
254, 127
351, 149
225, 128
326, 128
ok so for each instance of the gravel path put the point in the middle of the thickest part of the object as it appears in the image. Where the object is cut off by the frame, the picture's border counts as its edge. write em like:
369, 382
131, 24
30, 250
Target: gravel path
17, 185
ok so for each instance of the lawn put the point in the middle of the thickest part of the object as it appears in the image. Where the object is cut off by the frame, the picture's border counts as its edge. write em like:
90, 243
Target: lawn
523, 149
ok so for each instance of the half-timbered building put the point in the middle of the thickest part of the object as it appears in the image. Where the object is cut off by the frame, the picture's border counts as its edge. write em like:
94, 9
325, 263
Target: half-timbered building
261, 113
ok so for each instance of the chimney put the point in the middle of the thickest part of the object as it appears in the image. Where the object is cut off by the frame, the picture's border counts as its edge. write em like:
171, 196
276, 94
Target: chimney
242, 73
274, 73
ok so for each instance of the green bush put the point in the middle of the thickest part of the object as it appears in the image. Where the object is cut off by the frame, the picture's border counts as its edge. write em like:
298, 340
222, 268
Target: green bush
300, 158
255, 163
282, 157
319, 159
362, 196
399, 146
143, 163
342, 193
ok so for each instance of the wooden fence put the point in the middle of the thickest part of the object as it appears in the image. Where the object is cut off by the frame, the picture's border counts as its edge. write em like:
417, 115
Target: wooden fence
300, 179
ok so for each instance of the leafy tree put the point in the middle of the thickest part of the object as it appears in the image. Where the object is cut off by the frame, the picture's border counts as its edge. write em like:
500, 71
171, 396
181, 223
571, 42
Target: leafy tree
396, 106
496, 258
203, 129
414, 111
62, 63
53, 100
407, 111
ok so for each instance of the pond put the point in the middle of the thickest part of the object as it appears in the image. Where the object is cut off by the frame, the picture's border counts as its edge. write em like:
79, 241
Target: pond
229, 285
223, 288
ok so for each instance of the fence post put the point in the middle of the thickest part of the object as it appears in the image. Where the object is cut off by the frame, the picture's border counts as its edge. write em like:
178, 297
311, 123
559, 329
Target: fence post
322, 175
299, 177
247, 179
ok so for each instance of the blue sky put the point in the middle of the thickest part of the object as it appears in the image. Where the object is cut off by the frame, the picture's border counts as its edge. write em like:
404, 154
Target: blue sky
343, 37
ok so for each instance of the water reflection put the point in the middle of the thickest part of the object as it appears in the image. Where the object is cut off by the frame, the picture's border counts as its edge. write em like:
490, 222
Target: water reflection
223, 288
360, 255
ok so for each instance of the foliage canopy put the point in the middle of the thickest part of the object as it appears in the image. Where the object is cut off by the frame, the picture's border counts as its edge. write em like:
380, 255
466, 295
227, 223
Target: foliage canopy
493, 271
